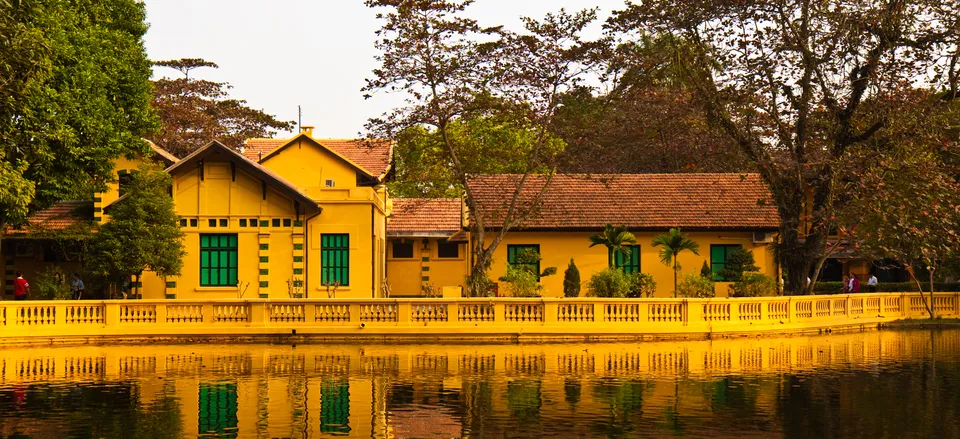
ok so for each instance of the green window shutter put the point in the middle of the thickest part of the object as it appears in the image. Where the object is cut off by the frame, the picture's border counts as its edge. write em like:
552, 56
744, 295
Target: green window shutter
718, 259
515, 249
218, 260
629, 264
335, 259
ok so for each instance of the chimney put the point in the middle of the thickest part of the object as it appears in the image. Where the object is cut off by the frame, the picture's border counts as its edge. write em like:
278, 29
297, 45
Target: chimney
307, 129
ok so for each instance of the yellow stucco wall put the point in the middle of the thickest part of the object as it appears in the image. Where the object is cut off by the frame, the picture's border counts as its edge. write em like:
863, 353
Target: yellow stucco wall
407, 276
556, 249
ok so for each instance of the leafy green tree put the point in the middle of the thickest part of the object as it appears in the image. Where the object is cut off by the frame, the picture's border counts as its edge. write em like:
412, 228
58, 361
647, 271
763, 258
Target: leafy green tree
792, 83
737, 262
142, 232
450, 68
616, 240
673, 244
753, 285
695, 286
641, 285
571, 280
74, 95
195, 111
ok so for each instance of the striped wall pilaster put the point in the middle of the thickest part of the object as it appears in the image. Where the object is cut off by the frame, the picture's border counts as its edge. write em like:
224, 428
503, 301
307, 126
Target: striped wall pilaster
170, 289
97, 209
263, 240
299, 258
424, 269
8, 274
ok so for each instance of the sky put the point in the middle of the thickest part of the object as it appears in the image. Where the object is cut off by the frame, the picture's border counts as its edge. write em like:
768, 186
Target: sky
278, 54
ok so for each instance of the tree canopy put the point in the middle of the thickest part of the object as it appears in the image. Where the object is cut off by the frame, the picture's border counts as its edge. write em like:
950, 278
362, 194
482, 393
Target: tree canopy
74, 95
456, 74
796, 84
142, 232
195, 111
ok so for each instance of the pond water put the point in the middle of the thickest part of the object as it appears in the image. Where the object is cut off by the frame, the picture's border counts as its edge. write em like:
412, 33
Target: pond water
871, 384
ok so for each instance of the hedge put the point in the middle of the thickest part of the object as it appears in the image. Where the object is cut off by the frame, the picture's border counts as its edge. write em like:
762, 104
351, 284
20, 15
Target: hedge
886, 287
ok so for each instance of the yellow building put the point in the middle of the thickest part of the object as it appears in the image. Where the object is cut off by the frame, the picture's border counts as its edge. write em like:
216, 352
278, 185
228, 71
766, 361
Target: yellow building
718, 211
299, 217
51, 238
311, 217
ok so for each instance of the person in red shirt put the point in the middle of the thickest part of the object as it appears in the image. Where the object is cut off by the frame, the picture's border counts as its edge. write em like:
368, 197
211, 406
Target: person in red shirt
21, 288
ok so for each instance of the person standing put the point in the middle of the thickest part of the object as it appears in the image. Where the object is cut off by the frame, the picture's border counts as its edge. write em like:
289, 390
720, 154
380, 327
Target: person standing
845, 286
21, 288
76, 286
854, 284
872, 283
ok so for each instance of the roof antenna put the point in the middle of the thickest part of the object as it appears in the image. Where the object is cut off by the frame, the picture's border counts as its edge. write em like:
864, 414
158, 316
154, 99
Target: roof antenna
299, 118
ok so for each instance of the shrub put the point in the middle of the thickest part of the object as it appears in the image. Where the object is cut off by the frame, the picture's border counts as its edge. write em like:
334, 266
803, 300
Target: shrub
754, 285
705, 271
523, 282
46, 286
571, 280
738, 261
641, 285
611, 282
696, 286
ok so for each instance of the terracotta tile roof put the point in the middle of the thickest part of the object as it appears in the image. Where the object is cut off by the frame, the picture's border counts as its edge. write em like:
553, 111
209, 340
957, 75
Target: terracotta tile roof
640, 201
57, 217
374, 157
424, 216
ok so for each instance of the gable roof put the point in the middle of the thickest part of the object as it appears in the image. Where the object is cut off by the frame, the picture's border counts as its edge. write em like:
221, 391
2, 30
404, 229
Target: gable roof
372, 157
59, 216
162, 153
422, 217
639, 201
278, 182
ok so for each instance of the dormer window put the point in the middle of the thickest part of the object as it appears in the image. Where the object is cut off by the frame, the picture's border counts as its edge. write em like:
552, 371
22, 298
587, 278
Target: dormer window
329, 183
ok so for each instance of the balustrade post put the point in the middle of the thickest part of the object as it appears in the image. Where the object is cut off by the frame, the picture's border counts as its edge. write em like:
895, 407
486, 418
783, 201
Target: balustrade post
499, 311
309, 312
354, 313
956, 304
550, 311
206, 312
791, 309
161, 310
404, 313
904, 305
599, 310
734, 311
59, 313
111, 313
259, 313
453, 312
693, 312
848, 306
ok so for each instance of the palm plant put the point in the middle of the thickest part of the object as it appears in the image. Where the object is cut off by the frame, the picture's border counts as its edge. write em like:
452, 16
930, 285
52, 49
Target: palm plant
673, 243
616, 239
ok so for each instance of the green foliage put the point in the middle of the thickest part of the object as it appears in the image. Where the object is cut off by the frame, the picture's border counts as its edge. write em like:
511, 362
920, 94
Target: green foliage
885, 287
615, 239
610, 282
480, 285
753, 285
571, 280
696, 286
46, 286
523, 282
705, 270
193, 111
522, 275
739, 260
673, 243
143, 230
641, 285
78, 96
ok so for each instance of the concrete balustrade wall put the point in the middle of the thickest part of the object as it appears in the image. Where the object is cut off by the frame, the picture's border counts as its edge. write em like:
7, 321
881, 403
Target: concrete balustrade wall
549, 318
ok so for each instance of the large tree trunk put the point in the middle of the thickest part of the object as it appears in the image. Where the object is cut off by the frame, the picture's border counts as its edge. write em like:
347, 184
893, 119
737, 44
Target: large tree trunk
674, 276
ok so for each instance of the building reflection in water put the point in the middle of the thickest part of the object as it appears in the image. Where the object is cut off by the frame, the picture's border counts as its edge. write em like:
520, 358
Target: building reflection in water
838, 385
